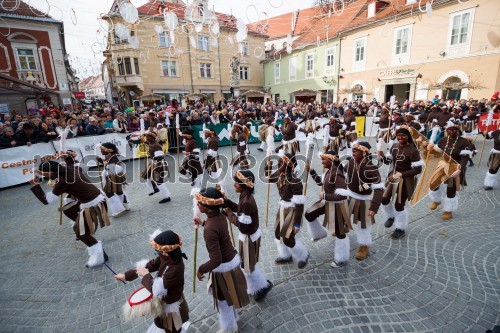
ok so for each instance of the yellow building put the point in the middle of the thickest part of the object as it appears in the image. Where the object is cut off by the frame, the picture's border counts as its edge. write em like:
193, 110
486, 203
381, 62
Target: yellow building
149, 63
397, 47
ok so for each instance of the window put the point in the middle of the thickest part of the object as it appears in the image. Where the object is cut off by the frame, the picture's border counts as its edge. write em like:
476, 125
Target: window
119, 40
121, 68
277, 72
169, 68
136, 65
128, 66
27, 60
206, 70
402, 36
460, 32
292, 69
310, 65
460, 28
359, 54
244, 73
410, 2
244, 48
329, 61
371, 9
203, 44
402, 45
164, 40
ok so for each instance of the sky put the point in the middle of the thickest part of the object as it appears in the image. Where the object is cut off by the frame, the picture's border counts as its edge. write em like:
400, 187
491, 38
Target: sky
82, 28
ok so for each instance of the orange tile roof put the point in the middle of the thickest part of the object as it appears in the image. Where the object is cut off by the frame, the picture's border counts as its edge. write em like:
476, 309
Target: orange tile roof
22, 10
353, 16
153, 8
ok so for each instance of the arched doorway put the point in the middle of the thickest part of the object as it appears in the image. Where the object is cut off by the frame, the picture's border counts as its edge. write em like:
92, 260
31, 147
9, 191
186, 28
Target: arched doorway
358, 92
452, 88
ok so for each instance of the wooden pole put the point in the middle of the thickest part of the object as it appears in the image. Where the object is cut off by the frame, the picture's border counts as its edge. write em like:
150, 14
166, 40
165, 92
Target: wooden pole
482, 150
267, 203
308, 165
194, 257
60, 209
99, 171
178, 151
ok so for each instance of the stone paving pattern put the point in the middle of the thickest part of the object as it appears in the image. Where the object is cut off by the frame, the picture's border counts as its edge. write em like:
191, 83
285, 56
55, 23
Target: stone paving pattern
441, 277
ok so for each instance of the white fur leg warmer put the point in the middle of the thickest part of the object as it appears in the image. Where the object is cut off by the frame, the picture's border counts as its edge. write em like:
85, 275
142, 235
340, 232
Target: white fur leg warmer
149, 185
96, 255
435, 196
490, 180
283, 250
388, 210
227, 317
256, 281
342, 248
164, 192
316, 230
115, 204
363, 236
401, 220
450, 204
299, 251
262, 145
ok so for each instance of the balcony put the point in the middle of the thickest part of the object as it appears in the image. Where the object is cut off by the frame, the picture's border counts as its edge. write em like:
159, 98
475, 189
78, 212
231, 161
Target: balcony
129, 80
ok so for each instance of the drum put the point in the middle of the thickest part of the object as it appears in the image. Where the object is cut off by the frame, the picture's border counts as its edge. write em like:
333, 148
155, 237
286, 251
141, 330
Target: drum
142, 303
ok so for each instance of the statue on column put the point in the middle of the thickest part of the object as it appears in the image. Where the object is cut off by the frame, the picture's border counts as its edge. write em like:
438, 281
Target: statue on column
234, 81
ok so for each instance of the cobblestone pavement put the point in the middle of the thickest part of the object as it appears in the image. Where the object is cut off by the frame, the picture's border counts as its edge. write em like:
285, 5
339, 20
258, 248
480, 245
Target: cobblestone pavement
441, 277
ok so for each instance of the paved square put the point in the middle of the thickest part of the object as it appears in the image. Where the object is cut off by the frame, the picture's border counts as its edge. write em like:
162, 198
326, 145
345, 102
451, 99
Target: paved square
441, 277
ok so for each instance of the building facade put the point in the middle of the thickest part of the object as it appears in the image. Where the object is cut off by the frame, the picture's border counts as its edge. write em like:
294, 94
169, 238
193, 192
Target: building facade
93, 86
33, 65
451, 51
191, 61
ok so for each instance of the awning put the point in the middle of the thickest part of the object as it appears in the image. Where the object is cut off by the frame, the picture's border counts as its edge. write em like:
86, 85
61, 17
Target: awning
196, 95
208, 91
253, 93
167, 91
304, 92
9, 84
153, 97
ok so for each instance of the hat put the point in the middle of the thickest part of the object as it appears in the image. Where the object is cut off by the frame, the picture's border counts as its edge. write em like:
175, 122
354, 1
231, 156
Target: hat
289, 160
188, 132
119, 113
166, 241
404, 130
330, 155
363, 146
245, 178
151, 134
49, 166
210, 197
109, 147
444, 107
495, 95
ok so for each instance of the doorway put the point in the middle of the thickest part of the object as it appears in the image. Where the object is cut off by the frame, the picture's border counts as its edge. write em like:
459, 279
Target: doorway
401, 91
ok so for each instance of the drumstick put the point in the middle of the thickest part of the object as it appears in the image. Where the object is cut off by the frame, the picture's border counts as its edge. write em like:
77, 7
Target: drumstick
112, 271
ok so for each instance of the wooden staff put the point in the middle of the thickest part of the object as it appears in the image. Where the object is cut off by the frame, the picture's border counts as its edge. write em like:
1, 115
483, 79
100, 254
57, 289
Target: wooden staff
178, 128
60, 209
482, 150
99, 172
267, 203
194, 257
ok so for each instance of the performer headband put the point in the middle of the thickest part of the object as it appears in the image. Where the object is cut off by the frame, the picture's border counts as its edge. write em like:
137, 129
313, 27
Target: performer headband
331, 157
360, 147
152, 134
166, 248
287, 160
208, 201
244, 179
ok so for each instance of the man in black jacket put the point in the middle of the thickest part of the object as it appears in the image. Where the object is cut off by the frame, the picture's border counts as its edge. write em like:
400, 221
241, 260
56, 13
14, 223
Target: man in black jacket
27, 137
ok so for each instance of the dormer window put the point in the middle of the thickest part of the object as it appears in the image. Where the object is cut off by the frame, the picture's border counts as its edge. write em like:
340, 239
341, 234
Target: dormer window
201, 10
371, 9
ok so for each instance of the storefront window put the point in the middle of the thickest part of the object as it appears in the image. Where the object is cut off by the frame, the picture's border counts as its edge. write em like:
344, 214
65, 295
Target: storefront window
452, 88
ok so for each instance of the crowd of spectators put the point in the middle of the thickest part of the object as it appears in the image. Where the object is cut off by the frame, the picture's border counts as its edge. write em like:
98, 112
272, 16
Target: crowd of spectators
49, 122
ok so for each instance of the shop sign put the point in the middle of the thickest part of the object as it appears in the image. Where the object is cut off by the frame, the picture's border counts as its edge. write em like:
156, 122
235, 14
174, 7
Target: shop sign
397, 72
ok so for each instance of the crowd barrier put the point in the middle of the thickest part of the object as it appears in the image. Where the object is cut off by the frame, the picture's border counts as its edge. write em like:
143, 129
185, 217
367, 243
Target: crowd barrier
18, 163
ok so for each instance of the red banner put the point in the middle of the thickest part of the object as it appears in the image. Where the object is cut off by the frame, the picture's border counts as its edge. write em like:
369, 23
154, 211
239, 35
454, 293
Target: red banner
79, 94
483, 121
